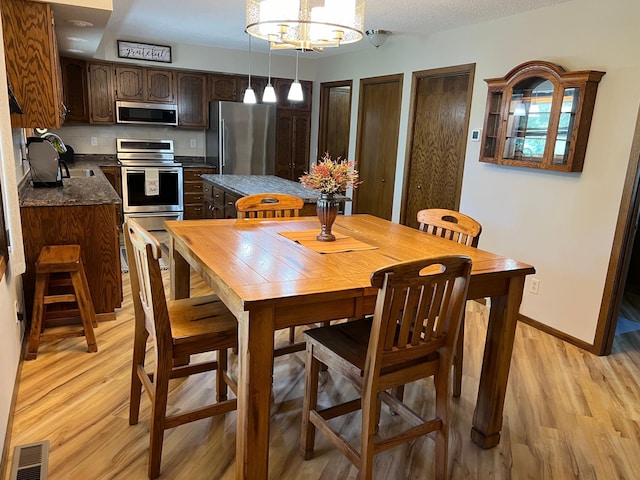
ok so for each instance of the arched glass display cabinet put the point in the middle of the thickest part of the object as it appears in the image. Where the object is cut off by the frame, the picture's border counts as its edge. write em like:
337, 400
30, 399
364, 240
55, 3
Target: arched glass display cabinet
539, 116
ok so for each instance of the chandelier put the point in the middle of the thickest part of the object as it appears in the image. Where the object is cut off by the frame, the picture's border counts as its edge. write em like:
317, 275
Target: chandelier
305, 24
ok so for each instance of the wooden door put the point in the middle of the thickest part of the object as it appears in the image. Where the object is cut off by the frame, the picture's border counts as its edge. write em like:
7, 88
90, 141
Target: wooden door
335, 118
192, 104
101, 103
377, 145
161, 86
439, 122
129, 83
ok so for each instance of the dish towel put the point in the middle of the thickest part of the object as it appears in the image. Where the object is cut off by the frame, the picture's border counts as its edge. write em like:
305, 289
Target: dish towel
151, 182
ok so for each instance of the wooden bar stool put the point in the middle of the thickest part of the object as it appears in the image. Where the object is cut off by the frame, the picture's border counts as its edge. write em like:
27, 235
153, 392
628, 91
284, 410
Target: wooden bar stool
60, 266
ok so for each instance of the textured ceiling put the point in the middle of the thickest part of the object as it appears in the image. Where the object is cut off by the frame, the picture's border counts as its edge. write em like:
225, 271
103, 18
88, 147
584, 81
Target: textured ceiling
221, 23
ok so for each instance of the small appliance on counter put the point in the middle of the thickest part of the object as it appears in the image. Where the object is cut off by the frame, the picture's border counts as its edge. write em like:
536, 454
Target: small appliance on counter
45, 164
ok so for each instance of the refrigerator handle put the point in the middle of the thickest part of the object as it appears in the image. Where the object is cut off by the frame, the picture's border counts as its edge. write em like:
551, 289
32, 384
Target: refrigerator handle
222, 144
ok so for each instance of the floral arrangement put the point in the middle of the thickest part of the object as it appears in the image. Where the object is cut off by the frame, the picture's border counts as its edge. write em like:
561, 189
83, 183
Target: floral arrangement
331, 176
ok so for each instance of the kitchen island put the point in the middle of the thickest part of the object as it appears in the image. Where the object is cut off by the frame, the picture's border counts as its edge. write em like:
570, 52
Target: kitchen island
222, 191
82, 212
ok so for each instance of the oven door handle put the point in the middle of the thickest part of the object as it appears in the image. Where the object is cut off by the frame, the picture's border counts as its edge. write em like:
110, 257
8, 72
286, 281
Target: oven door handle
142, 170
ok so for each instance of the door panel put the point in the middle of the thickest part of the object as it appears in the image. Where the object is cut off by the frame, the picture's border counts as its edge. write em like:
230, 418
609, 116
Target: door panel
376, 152
440, 121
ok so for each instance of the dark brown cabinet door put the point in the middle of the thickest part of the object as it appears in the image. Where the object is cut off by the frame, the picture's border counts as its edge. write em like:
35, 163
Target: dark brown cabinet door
222, 87
282, 87
129, 83
101, 101
257, 83
293, 130
75, 86
161, 86
192, 107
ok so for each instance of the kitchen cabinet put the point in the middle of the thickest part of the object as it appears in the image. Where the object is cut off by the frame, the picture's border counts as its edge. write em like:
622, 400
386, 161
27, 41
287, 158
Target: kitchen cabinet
114, 176
75, 89
222, 88
194, 195
539, 116
63, 225
33, 64
293, 132
129, 83
257, 83
138, 84
219, 203
192, 103
101, 94
282, 86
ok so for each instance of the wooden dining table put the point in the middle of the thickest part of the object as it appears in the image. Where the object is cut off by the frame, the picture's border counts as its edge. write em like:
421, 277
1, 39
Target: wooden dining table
272, 280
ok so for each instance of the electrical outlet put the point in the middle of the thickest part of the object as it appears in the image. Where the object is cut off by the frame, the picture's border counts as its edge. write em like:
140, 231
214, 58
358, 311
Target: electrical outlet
535, 286
193, 143
94, 141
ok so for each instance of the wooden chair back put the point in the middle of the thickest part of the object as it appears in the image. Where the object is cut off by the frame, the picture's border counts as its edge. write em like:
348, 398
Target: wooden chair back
451, 225
418, 313
149, 301
269, 205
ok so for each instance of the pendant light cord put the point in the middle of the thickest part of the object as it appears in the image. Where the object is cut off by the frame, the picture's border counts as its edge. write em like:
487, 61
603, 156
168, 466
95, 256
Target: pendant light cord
249, 61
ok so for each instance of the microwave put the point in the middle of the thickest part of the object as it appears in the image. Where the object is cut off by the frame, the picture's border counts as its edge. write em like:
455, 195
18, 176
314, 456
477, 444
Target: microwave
146, 113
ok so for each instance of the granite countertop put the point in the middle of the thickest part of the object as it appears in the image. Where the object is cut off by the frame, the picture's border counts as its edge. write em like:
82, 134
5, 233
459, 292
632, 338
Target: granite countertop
93, 190
251, 184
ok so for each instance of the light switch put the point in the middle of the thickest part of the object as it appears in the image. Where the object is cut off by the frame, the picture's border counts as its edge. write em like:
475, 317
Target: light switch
193, 143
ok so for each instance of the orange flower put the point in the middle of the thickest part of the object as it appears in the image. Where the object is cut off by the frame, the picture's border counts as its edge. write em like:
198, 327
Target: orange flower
331, 176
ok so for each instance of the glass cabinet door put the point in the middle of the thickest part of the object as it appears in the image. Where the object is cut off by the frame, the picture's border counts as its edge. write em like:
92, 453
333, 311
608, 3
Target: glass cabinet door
528, 121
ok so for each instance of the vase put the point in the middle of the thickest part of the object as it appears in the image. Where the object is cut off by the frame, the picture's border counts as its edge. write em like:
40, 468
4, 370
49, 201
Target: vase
327, 208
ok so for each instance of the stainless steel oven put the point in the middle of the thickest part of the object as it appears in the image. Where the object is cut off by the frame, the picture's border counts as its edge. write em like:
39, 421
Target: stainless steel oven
152, 182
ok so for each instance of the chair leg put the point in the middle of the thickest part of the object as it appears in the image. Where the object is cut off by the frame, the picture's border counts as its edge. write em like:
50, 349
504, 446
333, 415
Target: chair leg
139, 354
310, 402
442, 436
37, 316
457, 361
221, 385
370, 416
292, 335
85, 305
158, 415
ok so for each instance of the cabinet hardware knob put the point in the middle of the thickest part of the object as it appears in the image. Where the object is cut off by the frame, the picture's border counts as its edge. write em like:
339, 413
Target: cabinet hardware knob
419, 187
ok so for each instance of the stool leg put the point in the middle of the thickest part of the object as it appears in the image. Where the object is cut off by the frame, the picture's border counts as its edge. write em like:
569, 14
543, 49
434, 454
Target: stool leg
87, 312
37, 315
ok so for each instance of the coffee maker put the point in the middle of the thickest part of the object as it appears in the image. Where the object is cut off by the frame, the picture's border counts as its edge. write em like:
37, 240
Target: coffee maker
46, 166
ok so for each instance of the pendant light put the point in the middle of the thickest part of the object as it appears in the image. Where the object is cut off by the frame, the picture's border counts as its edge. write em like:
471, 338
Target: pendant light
295, 92
249, 94
269, 95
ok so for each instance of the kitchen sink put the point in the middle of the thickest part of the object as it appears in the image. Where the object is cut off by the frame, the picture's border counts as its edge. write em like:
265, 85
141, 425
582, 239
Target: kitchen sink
81, 172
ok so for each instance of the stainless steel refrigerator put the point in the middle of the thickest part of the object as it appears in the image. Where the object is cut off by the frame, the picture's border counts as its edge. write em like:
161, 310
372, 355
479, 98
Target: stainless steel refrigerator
241, 139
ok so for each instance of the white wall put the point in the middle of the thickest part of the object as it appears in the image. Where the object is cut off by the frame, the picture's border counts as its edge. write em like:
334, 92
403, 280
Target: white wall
10, 285
561, 223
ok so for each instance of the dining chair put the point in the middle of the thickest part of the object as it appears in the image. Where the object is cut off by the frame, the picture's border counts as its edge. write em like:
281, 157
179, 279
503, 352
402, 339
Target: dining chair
411, 336
460, 228
273, 205
269, 205
178, 329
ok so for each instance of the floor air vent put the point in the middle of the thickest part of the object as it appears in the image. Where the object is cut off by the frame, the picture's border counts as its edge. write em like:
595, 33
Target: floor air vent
30, 462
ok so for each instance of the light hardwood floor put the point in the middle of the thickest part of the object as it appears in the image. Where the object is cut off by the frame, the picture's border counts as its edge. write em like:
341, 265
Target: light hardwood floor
568, 415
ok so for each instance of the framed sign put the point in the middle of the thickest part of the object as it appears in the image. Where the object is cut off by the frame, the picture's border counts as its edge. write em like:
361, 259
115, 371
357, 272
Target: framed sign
144, 51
